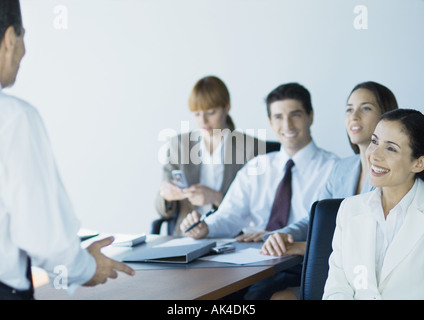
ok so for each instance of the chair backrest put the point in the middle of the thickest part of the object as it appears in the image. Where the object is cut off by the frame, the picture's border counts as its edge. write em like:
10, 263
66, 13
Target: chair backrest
272, 146
318, 248
170, 224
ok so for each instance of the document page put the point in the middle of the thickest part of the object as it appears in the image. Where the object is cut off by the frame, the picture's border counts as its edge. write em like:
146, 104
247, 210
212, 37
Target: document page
244, 256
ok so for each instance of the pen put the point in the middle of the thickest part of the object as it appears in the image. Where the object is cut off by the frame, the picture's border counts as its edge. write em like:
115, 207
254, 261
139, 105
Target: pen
200, 221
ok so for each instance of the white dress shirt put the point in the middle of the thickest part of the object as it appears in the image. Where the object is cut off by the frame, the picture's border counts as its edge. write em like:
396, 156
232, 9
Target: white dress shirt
247, 205
212, 168
388, 227
36, 216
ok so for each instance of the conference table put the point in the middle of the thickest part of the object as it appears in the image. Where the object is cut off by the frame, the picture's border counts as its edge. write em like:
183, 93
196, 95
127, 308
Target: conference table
196, 280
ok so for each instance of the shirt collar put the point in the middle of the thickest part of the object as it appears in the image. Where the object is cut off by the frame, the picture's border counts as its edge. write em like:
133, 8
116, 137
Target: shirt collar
407, 199
301, 159
374, 201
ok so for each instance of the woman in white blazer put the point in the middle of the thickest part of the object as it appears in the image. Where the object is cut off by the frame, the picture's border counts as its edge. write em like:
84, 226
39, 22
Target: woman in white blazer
378, 243
365, 104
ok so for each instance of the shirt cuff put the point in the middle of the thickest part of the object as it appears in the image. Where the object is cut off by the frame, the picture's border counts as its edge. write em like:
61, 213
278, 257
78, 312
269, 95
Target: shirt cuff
82, 270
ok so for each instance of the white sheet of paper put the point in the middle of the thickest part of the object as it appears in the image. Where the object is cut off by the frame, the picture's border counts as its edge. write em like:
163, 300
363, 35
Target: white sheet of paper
244, 256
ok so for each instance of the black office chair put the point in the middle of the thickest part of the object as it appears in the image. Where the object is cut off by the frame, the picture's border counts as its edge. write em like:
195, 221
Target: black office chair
322, 223
157, 223
170, 224
272, 146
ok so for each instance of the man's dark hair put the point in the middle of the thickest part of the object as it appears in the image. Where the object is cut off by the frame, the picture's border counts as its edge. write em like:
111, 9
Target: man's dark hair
10, 15
290, 91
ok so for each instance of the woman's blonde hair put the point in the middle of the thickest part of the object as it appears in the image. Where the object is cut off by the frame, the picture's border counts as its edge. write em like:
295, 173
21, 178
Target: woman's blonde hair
210, 92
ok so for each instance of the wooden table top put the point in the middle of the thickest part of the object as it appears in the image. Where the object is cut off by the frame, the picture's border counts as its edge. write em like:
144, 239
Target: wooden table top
196, 280
167, 284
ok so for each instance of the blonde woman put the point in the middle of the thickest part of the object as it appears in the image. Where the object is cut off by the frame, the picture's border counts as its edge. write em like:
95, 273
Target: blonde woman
209, 157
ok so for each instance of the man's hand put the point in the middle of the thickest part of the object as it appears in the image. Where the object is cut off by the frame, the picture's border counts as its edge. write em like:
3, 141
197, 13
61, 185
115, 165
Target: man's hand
105, 267
198, 232
279, 244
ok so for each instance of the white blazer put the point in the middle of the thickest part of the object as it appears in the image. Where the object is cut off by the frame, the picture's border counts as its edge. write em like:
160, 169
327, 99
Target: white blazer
352, 262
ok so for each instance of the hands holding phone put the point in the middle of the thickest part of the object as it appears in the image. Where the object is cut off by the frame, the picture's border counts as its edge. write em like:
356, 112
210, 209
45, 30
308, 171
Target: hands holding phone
170, 192
197, 194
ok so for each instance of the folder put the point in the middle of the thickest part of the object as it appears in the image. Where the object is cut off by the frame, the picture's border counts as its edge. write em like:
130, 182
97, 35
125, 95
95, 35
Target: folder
121, 239
129, 240
180, 253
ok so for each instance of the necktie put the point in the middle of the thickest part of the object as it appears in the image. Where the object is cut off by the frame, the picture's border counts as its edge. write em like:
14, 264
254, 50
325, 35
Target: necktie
281, 206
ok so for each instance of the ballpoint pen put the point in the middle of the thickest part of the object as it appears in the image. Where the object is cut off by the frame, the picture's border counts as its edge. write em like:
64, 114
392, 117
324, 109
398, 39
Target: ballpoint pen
200, 221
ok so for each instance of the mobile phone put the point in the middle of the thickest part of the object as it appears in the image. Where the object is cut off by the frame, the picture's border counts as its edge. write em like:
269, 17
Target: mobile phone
179, 179
223, 249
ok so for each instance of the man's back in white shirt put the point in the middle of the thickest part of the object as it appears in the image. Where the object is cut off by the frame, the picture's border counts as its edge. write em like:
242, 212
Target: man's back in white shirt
36, 217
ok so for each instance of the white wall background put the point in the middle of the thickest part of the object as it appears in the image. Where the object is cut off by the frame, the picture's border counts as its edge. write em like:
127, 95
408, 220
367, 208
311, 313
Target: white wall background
123, 69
